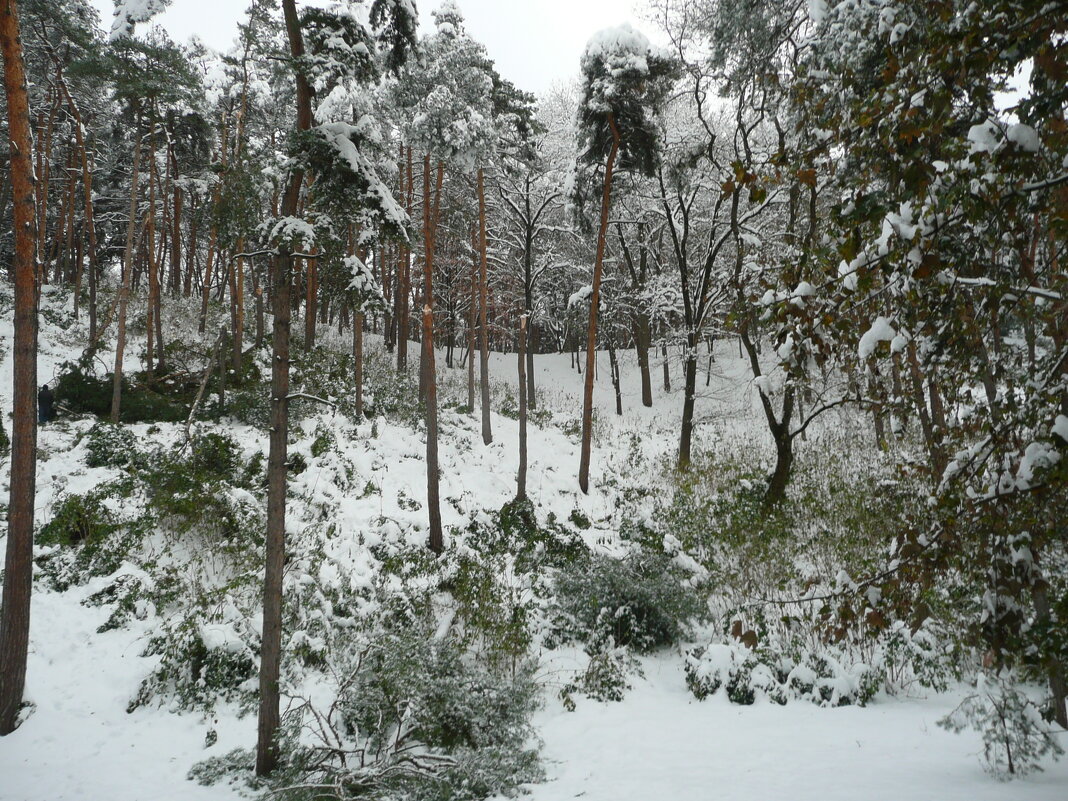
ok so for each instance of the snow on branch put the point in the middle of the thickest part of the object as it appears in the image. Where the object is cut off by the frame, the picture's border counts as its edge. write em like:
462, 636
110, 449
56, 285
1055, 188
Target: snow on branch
129, 13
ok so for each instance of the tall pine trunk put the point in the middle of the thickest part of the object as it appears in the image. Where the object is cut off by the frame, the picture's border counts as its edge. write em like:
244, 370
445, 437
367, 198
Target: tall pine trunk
690, 382
311, 286
429, 373
641, 347
613, 366
472, 322
18, 563
239, 309
271, 640
483, 363
404, 266
595, 299
127, 269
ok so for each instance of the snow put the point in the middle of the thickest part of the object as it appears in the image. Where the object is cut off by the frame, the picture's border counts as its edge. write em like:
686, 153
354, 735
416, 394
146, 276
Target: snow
340, 135
984, 137
130, 12
663, 743
1060, 427
1024, 137
818, 10
880, 331
619, 41
660, 742
580, 297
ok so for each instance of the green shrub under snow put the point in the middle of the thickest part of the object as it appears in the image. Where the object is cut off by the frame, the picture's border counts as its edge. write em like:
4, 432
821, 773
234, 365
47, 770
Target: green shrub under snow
87, 537
407, 715
784, 665
108, 445
746, 675
642, 601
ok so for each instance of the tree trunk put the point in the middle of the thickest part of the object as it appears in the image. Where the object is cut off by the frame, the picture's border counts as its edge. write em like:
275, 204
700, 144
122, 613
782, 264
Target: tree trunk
271, 641
389, 329
640, 325
532, 340
932, 438
311, 285
404, 267
357, 357
433, 501
613, 366
483, 360
239, 307
152, 329
191, 255
595, 298
521, 477
471, 323
18, 563
205, 288
667, 374
1054, 669
784, 460
690, 384
124, 291
429, 370
176, 230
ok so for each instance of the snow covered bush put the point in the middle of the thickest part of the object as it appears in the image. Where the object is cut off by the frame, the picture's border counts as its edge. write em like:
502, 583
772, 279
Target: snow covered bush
416, 718
108, 445
748, 674
606, 677
205, 656
734, 669
1015, 736
643, 601
79, 519
88, 536
404, 713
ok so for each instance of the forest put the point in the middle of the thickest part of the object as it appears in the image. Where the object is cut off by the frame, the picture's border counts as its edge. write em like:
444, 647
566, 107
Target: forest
375, 428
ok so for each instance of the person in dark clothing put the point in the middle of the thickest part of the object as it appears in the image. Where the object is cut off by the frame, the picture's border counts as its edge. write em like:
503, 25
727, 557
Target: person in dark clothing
45, 405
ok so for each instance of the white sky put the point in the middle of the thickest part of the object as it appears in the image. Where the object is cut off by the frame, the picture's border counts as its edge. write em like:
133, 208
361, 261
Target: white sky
535, 43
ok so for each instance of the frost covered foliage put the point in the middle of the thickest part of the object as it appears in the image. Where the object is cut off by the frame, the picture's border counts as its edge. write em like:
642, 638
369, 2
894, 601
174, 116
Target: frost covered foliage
449, 97
825, 676
642, 601
89, 535
411, 716
409, 674
799, 652
364, 288
625, 81
781, 580
174, 539
1016, 738
945, 242
129, 13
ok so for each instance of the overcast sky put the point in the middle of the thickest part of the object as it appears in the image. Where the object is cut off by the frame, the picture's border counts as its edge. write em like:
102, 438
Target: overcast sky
535, 43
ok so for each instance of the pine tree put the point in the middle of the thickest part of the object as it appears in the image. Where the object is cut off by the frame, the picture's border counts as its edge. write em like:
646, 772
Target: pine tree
343, 51
625, 81
18, 563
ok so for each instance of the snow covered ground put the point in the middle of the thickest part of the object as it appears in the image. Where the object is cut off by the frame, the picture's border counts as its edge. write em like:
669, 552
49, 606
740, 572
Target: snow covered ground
80, 743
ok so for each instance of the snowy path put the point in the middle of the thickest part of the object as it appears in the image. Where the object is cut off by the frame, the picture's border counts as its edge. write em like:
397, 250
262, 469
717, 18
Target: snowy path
661, 743
80, 744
